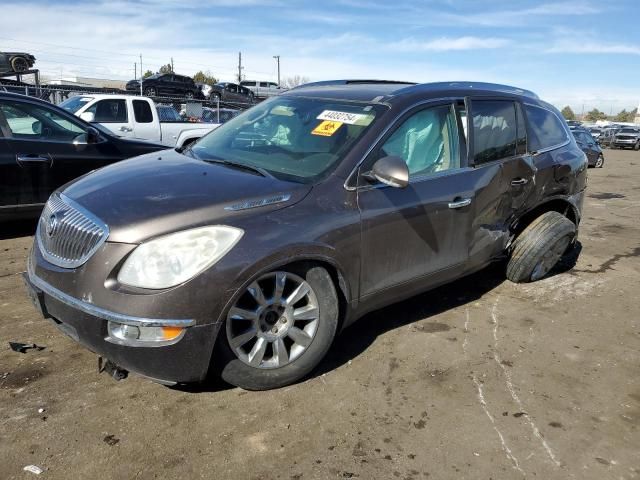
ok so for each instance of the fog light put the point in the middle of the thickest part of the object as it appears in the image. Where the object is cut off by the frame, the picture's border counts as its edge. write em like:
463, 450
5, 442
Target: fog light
141, 335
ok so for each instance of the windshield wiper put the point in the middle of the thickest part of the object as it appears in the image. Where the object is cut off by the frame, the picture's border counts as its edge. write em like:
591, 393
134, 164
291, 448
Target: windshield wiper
241, 166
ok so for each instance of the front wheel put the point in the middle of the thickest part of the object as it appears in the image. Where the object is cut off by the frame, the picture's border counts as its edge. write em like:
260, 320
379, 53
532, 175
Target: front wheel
599, 162
278, 329
539, 247
636, 146
189, 95
150, 92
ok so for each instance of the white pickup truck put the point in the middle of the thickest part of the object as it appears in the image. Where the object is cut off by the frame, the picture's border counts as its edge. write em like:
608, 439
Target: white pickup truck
137, 117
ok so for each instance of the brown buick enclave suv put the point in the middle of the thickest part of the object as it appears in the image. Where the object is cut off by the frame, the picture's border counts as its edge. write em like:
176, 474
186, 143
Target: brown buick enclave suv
246, 253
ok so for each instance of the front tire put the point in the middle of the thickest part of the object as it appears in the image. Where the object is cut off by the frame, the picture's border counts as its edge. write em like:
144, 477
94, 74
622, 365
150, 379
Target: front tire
599, 162
636, 146
19, 64
539, 247
278, 329
150, 92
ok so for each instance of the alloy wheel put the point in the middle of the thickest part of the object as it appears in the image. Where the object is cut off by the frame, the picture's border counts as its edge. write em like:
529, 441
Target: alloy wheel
274, 321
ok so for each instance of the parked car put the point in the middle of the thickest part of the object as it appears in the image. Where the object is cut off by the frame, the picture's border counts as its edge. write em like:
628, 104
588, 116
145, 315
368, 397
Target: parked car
16, 62
295, 218
589, 145
263, 89
231, 92
135, 117
166, 84
595, 132
626, 137
607, 135
42, 147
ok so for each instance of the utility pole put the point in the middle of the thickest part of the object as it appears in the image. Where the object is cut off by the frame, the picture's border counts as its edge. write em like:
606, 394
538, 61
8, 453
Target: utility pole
172, 70
141, 75
240, 67
135, 70
277, 57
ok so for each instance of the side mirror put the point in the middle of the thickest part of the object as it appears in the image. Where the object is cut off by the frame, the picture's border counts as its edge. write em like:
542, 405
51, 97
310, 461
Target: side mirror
36, 127
392, 171
88, 116
93, 136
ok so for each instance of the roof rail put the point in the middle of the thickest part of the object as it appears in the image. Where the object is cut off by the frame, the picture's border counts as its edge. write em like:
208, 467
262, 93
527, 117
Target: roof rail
325, 83
486, 86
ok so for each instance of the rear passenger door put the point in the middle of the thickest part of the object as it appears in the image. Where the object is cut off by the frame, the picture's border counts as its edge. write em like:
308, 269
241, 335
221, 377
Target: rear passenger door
498, 151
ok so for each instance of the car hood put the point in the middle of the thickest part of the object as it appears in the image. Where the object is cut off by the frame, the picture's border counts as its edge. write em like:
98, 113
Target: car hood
166, 191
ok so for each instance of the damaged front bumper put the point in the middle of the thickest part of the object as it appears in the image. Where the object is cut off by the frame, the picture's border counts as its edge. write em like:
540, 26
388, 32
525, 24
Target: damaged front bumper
184, 358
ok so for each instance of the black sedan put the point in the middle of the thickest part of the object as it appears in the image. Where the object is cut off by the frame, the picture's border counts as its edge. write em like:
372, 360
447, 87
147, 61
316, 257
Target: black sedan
16, 62
42, 147
589, 146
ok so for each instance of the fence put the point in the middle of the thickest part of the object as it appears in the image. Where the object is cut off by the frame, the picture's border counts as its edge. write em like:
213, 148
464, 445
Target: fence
195, 110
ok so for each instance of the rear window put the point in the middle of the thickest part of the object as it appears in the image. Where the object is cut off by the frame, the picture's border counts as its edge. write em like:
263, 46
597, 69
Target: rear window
546, 129
494, 130
142, 111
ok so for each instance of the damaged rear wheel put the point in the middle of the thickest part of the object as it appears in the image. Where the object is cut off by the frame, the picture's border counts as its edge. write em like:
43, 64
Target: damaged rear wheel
539, 247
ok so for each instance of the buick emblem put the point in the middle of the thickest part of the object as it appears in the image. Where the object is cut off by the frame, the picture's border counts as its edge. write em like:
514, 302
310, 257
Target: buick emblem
52, 225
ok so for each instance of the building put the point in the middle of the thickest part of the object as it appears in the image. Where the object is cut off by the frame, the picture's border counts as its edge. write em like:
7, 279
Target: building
88, 82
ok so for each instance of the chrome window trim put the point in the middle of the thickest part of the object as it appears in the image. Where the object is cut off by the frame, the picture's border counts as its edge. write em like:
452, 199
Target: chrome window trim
386, 130
82, 260
102, 313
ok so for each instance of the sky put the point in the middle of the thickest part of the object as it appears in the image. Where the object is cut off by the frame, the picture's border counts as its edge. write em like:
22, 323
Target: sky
580, 53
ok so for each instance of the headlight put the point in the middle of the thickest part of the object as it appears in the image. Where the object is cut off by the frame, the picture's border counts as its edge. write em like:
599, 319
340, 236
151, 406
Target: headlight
175, 258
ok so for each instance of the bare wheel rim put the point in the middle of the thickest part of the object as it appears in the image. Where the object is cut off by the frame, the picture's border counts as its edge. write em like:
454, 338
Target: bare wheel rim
274, 321
550, 258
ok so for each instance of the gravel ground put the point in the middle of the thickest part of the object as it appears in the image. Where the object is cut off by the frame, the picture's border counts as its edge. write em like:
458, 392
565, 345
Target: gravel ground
480, 379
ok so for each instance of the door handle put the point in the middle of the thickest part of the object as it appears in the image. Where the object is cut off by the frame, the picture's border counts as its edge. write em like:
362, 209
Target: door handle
126, 129
30, 158
519, 181
460, 202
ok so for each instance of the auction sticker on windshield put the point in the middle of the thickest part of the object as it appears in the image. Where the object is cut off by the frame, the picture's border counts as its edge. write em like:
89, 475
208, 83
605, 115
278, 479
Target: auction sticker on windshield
346, 117
326, 128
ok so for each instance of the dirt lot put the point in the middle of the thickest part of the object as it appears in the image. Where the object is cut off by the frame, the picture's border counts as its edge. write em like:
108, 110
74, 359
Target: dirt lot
480, 379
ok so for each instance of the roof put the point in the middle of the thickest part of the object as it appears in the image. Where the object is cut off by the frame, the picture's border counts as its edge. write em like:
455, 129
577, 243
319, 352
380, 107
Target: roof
383, 90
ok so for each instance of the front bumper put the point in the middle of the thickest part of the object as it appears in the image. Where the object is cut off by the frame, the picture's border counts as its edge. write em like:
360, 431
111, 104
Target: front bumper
184, 361
624, 143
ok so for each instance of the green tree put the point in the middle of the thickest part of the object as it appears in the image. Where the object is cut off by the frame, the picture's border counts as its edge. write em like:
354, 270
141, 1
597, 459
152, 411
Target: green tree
625, 116
568, 114
147, 74
205, 77
166, 68
594, 115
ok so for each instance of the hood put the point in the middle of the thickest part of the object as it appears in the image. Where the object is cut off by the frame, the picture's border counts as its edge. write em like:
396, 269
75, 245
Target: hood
166, 191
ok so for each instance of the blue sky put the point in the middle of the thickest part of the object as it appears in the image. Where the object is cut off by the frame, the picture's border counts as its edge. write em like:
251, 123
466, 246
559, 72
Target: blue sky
569, 51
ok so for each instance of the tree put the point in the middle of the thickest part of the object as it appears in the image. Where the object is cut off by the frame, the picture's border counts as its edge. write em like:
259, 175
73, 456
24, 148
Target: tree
294, 81
147, 74
205, 77
568, 114
625, 116
166, 68
594, 115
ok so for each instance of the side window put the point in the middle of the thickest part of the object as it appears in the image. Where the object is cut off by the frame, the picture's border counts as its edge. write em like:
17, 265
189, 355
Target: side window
32, 122
546, 129
142, 111
249, 84
427, 141
494, 130
109, 111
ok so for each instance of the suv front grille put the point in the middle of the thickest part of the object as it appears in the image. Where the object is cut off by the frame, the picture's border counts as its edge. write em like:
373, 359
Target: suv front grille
68, 235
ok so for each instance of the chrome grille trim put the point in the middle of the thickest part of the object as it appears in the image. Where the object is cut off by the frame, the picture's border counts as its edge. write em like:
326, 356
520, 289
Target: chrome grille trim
77, 232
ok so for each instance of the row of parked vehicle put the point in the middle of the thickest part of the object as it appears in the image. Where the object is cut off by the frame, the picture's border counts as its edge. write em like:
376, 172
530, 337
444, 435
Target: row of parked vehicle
172, 85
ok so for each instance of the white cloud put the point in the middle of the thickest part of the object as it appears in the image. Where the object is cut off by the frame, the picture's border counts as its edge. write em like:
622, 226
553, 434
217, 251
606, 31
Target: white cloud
593, 47
444, 44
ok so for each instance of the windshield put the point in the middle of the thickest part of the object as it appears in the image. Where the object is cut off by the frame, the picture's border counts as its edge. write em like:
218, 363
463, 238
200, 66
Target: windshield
294, 138
74, 104
628, 130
